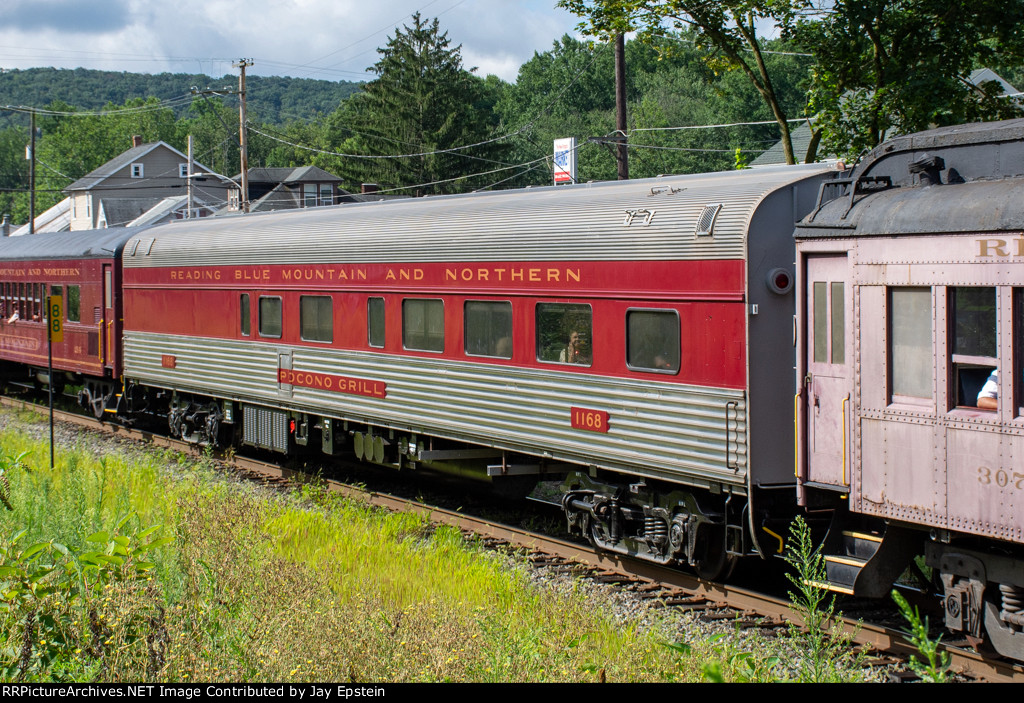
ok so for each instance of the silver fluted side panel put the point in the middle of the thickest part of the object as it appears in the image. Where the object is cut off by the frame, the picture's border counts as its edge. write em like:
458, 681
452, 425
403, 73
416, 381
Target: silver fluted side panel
582, 223
656, 429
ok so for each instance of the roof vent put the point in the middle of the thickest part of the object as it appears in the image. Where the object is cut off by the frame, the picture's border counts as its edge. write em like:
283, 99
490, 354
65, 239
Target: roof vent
706, 223
928, 168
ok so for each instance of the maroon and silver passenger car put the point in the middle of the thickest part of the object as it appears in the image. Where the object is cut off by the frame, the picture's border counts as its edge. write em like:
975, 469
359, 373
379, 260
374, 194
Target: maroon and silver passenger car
911, 294
628, 335
85, 269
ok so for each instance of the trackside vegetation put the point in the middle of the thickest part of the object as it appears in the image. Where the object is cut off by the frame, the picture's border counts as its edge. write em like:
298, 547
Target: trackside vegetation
152, 567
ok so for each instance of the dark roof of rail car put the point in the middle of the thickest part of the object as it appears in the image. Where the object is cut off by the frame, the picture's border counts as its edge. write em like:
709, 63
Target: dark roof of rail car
952, 179
90, 244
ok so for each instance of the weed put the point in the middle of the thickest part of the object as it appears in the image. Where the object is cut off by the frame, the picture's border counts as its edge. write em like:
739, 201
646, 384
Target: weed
824, 649
936, 670
8, 464
74, 611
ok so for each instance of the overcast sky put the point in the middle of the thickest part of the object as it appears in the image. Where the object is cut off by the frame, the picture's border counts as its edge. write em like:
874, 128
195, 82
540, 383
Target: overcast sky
325, 39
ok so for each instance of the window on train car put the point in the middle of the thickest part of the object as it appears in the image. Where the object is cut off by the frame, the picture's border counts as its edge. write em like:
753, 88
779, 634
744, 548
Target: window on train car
316, 318
270, 317
35, 302
910, 344
244, 313
652, 341
973, 340
423, 325
74, 304
829, 322
488, 329
564, 333
1018, 349
375, 322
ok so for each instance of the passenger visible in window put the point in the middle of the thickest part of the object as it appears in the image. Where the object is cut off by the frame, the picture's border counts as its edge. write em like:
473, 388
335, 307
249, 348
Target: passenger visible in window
13, 318
988, 396
664, 360
573, 354
503, 348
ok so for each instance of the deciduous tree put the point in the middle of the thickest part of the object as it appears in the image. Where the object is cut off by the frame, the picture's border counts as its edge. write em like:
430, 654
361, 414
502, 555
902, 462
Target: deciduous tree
728, 26
886, 67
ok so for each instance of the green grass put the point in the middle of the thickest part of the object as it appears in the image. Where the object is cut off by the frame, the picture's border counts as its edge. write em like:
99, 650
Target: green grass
257, 586
260, 587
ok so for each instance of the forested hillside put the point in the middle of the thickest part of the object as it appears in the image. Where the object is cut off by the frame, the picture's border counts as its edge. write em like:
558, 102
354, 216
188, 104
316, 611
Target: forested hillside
274, 99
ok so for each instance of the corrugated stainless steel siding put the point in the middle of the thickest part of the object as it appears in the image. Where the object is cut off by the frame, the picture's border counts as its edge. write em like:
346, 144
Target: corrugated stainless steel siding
582, 223
656, 429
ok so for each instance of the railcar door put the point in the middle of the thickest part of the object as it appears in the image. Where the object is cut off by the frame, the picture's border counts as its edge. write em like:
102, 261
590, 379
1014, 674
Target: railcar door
828, 381
107, 333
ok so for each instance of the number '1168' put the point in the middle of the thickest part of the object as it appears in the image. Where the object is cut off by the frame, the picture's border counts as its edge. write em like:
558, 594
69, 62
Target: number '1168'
592, 420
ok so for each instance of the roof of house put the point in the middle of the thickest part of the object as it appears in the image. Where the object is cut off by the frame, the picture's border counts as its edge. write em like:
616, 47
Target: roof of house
374, 197
280, 197
54, 219
801, 138
289, 175
136, 153
984, 75
118, 212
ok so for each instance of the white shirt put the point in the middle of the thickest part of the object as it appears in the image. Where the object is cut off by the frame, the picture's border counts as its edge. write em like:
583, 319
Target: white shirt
991, 387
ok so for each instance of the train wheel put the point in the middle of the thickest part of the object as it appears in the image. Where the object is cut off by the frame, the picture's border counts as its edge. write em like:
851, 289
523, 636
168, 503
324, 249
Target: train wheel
99, 402
716, 564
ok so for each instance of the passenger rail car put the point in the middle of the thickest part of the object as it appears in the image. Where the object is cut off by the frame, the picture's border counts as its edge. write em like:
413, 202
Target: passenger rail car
626, 334
85, 270
911, 370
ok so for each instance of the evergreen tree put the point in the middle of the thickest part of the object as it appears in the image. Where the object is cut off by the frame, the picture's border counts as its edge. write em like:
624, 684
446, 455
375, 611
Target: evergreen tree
423, 102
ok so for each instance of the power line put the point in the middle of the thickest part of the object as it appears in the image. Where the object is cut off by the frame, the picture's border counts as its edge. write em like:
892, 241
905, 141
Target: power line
376, 156
713, 126
149, 107
509, 135
675, 148
461, 178
763, 51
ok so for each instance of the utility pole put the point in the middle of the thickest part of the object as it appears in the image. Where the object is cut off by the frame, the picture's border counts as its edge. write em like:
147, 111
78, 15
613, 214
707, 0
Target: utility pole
622, 154
191, 173
32, 174
242, 142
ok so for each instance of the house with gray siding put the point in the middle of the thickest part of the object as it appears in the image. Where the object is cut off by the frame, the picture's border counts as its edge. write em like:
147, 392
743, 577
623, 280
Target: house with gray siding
133, 182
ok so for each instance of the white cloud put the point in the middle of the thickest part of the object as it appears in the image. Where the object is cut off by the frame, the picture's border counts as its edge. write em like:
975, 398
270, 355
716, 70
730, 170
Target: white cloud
328, 39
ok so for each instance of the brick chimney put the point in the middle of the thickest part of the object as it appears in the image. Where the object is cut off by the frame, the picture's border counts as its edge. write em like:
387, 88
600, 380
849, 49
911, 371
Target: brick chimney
136, 140
369, 188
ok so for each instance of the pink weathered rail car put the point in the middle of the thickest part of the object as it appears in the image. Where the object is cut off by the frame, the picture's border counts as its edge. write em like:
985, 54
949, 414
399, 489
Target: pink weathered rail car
910, 373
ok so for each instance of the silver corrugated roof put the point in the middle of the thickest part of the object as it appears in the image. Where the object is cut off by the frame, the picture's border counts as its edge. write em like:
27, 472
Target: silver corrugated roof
91, 244
583, 222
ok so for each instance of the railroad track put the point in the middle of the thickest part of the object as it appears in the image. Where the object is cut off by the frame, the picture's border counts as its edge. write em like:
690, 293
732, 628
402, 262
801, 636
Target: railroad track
674, 588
